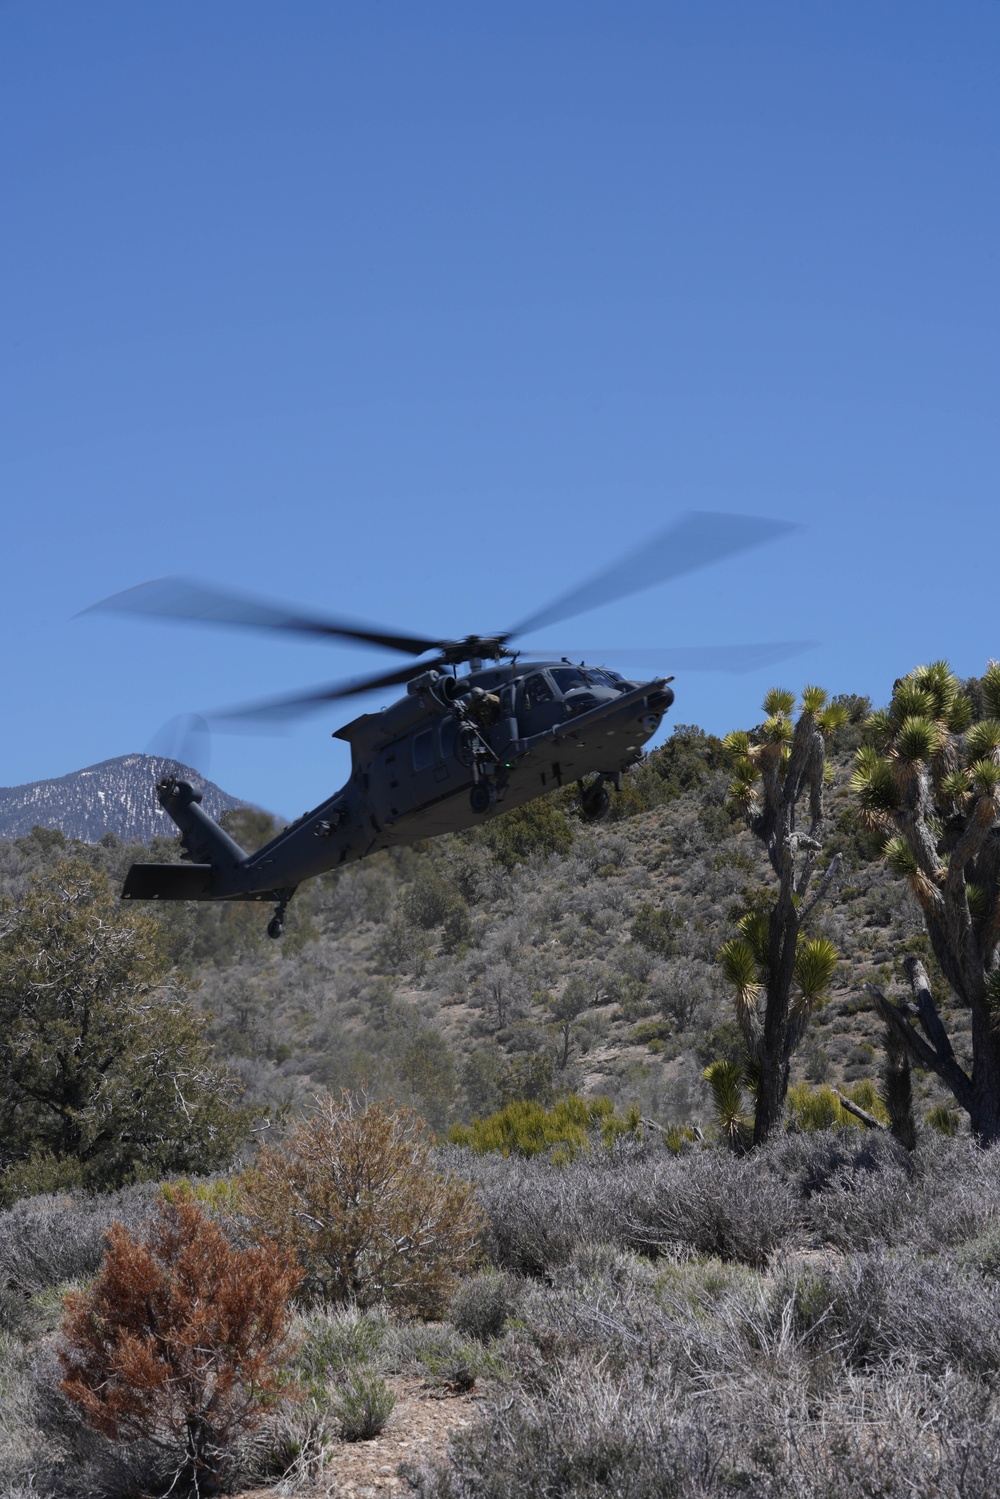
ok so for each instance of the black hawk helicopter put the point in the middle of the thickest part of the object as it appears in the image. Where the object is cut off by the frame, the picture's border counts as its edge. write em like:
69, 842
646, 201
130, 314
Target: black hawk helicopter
457, 748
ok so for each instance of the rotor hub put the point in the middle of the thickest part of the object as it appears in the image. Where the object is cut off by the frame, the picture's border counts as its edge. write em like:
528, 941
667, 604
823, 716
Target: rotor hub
474, 647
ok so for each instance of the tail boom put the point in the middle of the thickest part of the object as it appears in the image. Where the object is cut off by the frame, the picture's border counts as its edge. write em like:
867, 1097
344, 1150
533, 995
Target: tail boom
215, 866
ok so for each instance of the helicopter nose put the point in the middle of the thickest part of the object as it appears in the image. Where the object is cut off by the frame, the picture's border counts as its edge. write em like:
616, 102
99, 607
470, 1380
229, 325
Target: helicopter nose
661, 700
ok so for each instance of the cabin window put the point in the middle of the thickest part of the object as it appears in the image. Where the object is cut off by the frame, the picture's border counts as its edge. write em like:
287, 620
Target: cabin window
448, 731
424, 752
537, 690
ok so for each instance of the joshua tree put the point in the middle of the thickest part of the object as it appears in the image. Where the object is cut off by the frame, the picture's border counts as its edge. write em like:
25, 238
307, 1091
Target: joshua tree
778, 975
928, 782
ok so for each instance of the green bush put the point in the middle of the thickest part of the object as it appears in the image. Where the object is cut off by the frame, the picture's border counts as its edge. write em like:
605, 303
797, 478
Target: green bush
482, 1305
944, 1118
687, 759
656, 929
106, 1075
567, 1128
538, 828
648, 1031
362, 1405
333, 1342
432, 899
819, 1108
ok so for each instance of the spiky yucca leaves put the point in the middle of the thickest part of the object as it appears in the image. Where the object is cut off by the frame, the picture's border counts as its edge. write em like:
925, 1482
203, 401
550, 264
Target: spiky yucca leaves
744, 963
875, 787
989, 685
815, 962
918, 738
767, 752
982, 742
776, 976
928, 780
779, 702
726, 1082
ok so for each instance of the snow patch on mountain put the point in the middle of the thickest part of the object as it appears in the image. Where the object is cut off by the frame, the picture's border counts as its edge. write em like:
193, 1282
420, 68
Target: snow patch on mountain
116, 796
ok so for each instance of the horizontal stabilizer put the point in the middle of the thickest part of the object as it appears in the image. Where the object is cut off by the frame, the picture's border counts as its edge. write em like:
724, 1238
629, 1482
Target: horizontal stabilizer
168, 882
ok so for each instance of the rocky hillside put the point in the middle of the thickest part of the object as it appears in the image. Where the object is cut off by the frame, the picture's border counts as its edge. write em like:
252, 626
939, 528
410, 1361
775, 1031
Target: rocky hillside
115, 796
533, 954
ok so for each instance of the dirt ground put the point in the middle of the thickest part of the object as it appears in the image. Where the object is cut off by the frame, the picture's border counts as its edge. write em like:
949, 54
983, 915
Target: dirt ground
418, 1431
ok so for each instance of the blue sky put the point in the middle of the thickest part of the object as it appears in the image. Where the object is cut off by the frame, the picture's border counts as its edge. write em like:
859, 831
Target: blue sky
420, 313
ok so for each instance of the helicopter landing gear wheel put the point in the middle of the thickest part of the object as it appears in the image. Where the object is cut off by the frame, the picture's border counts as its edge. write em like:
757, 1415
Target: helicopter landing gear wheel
483, 796
594, 801
276, 925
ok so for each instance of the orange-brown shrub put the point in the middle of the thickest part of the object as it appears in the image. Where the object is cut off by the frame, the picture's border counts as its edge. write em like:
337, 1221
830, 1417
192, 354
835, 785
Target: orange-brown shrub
353, 1194
180, 1339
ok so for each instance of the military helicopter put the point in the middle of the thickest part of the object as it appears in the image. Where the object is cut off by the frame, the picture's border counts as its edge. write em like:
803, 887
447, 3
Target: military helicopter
458, 747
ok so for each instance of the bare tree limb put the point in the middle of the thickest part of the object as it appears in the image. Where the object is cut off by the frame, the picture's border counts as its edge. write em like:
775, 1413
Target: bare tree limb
927, 1009
856, 1109
821, 888
923, 1054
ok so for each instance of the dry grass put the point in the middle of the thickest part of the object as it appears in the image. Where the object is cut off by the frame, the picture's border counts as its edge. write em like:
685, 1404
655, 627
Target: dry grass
814, 1321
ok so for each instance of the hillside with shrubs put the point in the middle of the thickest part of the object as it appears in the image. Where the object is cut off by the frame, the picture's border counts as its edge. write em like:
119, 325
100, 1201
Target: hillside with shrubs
535, 956
481, 1125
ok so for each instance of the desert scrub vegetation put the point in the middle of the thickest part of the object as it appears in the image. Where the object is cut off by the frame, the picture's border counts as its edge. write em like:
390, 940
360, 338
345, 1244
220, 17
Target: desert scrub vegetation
644, 1365
176, 1365
107, 1076
527, 1128
179, 1341
639, 1321
458, 976
821, 1313
354, 1195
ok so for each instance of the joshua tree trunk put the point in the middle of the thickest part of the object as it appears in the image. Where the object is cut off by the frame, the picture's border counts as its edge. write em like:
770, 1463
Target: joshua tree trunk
978, 1095
778, 978
774, 1048
897, 1087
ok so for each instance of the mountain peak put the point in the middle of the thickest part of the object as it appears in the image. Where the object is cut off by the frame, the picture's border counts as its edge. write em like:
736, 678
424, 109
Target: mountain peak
115, 796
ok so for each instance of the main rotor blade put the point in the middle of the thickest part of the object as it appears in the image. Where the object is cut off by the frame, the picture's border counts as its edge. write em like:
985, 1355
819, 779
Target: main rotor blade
701, 537
284, 709
736, 659
183, 598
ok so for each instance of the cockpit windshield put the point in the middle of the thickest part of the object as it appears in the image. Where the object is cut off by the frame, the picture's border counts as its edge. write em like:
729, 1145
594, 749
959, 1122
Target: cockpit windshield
567, 678
571, 678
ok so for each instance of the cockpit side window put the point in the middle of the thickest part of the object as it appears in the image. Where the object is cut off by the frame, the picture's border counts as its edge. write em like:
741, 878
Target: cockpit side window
536, 691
